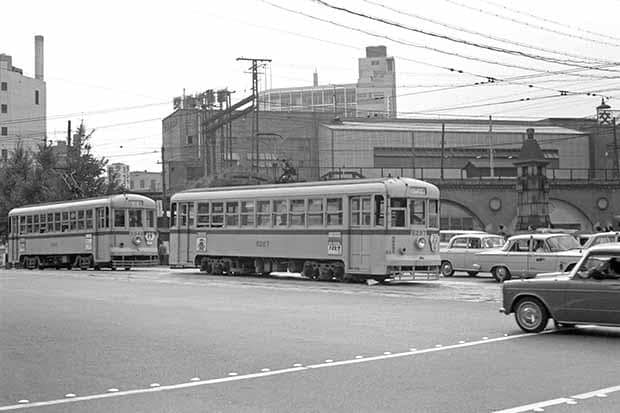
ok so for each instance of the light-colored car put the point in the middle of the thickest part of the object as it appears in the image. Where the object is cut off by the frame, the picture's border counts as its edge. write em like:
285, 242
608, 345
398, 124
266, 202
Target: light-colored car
601, 238
459, 254
589, 294
525, 255
446, 235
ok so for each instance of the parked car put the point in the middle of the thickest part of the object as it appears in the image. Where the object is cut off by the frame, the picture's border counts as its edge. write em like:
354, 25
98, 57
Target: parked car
459, 254
589, 294
601, 238
446, 235
526, 255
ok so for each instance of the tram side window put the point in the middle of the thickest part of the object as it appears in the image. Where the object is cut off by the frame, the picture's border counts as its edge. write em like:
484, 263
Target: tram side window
263, 213
334, 211
57, 222
42, 223
203, 215
72, 220
135, 218
35, 224
232, 214
65, 221
50, 222
119, 218
173, 215
279, 213
433, 213
29, 224
191, 216
379, 211
356, 209
80, 220
247, 213
398, 208
89, 219
417, 214
150, 218
183, 215
217, 214
315, 212
297, 212
22, 225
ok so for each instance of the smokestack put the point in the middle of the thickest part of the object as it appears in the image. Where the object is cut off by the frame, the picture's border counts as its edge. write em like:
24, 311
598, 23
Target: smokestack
315, 79
38, 57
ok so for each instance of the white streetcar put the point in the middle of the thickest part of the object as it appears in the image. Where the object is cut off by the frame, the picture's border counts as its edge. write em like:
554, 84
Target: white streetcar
111, 231
324, 230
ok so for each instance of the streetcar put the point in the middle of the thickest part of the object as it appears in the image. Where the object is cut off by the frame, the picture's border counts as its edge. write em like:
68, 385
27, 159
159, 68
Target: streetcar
115, 231
349, 230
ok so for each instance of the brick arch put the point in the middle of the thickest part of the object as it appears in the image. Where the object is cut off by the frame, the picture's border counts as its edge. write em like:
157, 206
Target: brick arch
465, 208
576, 208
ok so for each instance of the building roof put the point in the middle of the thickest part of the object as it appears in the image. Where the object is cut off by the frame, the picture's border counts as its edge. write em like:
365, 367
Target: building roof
463, 127
530, 152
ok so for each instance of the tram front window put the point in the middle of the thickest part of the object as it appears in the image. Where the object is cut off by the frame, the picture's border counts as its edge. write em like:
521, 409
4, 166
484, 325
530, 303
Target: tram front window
135, 218
119, 218
398, 208
417, 211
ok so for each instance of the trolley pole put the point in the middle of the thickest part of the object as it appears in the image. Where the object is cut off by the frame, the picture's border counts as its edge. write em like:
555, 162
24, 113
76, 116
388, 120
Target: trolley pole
255, 125
413, 154
443, 147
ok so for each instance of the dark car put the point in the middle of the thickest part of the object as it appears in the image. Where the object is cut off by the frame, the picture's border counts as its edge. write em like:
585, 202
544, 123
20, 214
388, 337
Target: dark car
589, 294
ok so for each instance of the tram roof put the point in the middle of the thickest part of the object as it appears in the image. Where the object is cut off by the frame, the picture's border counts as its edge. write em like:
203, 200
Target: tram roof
113, 200
348, 186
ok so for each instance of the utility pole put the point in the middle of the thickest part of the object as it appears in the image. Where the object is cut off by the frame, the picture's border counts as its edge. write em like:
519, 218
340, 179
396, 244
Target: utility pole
491, 159
443, 147
255, 125
163, 182
616, 164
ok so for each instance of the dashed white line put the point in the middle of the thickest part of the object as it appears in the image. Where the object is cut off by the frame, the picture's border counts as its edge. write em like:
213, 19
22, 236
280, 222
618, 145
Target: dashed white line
359, 357
195, 379
265, 370
540, 406
70, 395
23, 401
154, 385
235, 377
112, 390
297, 365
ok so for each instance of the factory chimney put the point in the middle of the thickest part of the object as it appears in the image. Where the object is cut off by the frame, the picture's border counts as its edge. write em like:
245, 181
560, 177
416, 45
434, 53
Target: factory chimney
315, 79
38, 57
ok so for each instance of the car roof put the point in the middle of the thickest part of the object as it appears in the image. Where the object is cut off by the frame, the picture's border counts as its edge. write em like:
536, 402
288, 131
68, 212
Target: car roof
476, 234
539, 235
613, 247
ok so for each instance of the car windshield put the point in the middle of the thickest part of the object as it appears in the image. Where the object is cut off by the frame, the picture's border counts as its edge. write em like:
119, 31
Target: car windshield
493, 242
599, 264
563, 243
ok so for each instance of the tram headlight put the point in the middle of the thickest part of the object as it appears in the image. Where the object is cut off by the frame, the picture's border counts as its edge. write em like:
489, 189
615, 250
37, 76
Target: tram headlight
420, 242
137, 240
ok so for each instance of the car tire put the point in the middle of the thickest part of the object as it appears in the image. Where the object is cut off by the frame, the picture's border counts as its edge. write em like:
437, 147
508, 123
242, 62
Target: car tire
501, 274
472, 273
446, 269
531, 315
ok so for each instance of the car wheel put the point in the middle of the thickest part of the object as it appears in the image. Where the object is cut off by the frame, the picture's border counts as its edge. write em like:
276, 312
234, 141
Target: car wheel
472, 273
531, 315
446, 269
501, 274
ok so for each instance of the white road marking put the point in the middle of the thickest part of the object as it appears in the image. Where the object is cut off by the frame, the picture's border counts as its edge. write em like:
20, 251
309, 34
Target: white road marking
154, 385
297, 365
562, 400
233, 374
265, 370
413, 349
329, 361
234, 377
195, 379
359, 357
112, 390
69, 395
387, 353
463, 341
23, 401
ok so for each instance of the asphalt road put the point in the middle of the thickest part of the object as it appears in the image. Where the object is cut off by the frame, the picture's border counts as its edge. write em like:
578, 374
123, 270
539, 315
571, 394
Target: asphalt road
176, 341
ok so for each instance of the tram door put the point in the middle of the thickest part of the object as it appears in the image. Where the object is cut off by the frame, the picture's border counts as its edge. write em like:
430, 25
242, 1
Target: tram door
185, 218
359, 259
102, 239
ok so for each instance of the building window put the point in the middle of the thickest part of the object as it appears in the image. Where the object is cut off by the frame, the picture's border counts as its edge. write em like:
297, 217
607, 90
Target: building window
36, 97
3, 108
3, 86
4, 131
141, 183
390, 65
5, 154
190, 140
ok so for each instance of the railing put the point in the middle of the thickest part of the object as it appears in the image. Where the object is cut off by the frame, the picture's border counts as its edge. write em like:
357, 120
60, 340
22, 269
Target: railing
437, 174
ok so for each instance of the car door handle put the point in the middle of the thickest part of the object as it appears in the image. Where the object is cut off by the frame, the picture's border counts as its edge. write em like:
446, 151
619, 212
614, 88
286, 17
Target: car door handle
540, 259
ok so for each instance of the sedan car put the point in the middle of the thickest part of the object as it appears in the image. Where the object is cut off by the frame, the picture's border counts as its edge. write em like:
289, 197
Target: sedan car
459, 254
589, 294
601, 238
526, 255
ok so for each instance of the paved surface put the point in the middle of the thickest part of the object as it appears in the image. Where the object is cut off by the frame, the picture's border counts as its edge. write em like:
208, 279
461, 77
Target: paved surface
176, 341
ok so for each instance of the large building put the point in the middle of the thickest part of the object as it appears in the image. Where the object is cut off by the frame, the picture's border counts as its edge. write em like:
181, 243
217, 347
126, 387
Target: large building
373, 96
22, 103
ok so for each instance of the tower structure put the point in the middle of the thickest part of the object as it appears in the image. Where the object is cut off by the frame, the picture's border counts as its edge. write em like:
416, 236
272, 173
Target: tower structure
532, 186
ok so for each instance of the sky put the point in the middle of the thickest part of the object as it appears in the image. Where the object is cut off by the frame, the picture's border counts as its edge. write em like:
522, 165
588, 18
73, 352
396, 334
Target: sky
117, 65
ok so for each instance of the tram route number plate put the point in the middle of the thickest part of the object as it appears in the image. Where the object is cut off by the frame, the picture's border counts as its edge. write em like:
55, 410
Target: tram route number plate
201, 243
88, 242
334, 243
